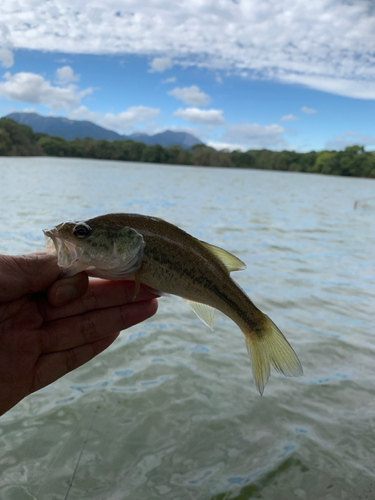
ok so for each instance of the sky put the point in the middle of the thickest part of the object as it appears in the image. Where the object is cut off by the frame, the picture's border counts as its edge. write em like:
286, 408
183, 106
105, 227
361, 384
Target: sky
237, 74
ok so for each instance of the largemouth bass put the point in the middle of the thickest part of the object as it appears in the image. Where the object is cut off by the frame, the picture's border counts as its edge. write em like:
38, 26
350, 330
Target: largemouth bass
154, 252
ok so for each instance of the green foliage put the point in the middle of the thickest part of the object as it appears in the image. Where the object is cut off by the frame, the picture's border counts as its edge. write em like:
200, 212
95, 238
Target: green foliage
178, 155
354, 161
307, 162
103, 149
5, 142
154, 154
325, 163
54, 146
129, 150
209, 157
197, 146
17, 140
77, 148
20, 140
263, 158
242, 160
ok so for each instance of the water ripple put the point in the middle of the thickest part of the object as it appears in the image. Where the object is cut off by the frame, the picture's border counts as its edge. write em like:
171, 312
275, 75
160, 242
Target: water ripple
176, 411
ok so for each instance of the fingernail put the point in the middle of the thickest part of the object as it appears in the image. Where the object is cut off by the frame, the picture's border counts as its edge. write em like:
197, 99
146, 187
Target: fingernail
65, 293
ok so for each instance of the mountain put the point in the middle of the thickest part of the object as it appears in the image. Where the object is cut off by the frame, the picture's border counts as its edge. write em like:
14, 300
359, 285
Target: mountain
71, 129
167, 138
63, 127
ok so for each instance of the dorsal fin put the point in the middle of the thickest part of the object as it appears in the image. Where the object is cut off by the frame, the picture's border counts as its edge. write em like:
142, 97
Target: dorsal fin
230, 261
204, 312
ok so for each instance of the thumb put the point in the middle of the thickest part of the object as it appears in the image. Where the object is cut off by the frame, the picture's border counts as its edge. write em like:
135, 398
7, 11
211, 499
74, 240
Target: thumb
23, 274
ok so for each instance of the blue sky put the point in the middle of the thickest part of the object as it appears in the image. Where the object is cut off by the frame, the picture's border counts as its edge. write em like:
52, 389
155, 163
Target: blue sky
238, 74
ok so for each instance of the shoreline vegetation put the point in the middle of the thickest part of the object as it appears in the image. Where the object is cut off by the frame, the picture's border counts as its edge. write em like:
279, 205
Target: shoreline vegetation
20, 140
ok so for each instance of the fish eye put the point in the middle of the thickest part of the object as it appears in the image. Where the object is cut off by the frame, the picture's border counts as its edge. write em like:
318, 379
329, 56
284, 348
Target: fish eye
82, 231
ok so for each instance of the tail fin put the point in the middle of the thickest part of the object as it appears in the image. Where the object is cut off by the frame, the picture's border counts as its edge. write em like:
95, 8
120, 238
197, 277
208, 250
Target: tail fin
271, 347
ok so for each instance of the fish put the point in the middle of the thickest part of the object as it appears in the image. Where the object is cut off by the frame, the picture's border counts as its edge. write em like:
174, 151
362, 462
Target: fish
160, 255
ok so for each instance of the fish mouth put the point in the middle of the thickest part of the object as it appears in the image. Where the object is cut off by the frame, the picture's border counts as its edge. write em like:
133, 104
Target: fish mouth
65, 251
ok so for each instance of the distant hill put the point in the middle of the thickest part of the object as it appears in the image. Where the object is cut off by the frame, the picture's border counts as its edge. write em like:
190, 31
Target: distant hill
71, 129
167, 138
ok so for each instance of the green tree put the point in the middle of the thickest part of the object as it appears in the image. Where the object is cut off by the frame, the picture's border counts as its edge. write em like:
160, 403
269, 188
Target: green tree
5, 143
325, 163
21, 137
197, 146
263, 159
306, 162
77, 148
129, 150
209, 157
54, 146
353, 160
104, 150
286, 160
242, 160
85, 146
154, 154
177, 155
121, 150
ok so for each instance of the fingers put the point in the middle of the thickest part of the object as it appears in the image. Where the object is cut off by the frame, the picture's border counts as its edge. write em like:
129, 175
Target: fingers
101, 294
78, 346
74, 331
66, 290
25, 274
53, 366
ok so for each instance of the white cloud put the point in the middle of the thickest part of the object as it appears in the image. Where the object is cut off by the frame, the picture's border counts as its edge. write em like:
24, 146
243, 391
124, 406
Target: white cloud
219, 146
341, 141
211, 117
326, 45
191, 95
308, 111
66, 74
289, 118
255, 136
357, 88
34, 89
169, 80
124, 122
6, 57
160, 64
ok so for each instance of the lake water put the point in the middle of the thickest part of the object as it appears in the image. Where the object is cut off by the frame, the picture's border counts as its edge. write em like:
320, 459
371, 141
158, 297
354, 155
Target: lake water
170, 409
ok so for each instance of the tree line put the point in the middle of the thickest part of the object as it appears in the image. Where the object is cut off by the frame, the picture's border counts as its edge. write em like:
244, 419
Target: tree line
20, 140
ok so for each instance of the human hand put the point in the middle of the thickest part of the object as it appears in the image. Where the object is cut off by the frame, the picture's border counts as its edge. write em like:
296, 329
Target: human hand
50, 326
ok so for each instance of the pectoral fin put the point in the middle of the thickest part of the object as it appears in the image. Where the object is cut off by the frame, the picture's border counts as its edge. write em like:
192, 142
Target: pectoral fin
230, 261
204, 312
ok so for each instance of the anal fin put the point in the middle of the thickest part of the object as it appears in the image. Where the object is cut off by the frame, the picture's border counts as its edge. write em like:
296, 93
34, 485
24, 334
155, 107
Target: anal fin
204, 312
